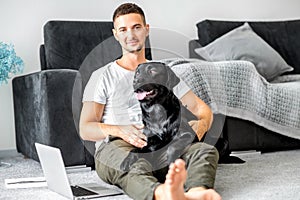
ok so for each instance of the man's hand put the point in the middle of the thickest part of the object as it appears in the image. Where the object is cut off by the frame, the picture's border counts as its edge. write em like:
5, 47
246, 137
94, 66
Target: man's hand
199, 126
201, 110
133, 135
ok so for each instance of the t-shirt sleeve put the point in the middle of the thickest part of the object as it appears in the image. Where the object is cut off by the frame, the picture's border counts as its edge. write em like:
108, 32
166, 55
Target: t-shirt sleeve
181, 89
94, 91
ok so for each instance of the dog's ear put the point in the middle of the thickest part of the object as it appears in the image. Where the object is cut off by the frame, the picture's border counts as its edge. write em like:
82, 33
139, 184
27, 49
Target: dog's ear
173, 79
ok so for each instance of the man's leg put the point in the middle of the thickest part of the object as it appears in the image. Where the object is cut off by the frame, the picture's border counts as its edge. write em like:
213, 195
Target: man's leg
201, 164
138, 183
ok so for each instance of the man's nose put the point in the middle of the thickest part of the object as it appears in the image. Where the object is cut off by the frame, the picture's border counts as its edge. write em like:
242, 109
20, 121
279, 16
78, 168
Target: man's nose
130, 33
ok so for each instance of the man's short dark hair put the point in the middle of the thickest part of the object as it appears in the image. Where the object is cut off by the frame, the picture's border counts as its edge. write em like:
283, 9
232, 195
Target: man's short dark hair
128, 8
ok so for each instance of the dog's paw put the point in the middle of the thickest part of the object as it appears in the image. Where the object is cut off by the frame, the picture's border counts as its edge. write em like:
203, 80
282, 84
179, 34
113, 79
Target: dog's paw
128, 162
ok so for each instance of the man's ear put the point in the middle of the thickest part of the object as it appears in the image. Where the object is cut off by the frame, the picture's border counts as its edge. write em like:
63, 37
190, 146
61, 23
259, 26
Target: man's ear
147, 29
115, 34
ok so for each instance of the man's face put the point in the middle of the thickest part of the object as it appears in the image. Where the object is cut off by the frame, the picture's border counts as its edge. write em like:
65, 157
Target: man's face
131, 32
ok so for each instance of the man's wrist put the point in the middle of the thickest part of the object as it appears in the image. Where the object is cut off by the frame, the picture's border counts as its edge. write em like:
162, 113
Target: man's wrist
201, 128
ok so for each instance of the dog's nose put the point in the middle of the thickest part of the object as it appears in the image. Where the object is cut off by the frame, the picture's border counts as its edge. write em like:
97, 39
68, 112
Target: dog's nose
135, 81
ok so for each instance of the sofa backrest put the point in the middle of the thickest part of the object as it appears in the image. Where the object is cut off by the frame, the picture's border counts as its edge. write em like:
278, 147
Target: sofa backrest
68, 43
283, 36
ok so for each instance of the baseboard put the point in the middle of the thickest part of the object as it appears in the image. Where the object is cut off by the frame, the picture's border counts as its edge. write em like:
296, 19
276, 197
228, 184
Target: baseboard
8, 153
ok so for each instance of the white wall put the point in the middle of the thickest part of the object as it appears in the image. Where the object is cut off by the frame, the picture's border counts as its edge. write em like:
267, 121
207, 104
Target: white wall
21, 23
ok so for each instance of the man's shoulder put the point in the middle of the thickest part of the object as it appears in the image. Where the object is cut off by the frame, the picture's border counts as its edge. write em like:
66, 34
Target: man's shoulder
104, 69
100, 74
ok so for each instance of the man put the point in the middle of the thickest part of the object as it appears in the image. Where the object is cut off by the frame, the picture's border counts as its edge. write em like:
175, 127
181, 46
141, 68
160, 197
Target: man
111, 113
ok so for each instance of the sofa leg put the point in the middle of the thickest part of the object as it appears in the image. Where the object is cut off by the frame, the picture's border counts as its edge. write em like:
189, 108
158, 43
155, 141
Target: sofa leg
225, 158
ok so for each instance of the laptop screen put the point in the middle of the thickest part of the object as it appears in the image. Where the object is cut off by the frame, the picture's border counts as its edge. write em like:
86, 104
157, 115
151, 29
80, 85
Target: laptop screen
54, 170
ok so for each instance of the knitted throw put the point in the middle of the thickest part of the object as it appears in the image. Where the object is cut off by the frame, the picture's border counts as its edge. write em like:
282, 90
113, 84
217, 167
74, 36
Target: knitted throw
234, 88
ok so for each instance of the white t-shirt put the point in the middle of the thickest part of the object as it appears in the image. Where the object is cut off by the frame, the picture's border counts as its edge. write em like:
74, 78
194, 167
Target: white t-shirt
112, 85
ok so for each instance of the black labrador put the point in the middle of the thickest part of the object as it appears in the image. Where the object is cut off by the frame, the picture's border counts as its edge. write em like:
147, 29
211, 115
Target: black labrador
165, 119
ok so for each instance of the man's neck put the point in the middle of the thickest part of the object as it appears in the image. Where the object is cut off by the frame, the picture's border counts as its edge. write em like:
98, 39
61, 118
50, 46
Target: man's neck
130, 61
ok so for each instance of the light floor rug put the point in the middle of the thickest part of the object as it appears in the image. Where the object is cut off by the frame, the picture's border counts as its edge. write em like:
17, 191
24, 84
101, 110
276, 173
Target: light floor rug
270, 176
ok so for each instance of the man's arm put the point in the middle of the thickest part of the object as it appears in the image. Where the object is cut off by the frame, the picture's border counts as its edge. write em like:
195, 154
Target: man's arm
89, 125
92, 129
201, 110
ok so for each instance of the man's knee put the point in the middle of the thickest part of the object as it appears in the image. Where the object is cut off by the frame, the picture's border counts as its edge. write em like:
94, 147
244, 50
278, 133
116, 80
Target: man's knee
201, 149
111, 154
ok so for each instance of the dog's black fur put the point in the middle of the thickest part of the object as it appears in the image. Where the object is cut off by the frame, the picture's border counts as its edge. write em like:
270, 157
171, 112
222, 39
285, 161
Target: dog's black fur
165, 119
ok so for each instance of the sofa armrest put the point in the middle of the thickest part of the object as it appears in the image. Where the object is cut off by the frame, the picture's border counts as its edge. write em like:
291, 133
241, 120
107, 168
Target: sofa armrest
43, 104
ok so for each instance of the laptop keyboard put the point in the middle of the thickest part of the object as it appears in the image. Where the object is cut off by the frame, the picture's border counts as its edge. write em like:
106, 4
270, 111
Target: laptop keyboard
79, 191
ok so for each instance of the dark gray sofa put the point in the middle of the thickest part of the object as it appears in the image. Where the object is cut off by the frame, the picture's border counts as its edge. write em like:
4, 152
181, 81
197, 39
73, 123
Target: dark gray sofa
283, 36
47, 103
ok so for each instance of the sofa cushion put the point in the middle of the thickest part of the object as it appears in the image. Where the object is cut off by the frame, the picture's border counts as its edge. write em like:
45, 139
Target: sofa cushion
67, 43
243, 43
283, 36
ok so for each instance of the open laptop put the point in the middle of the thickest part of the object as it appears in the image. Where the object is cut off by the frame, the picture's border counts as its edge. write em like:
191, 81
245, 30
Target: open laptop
57, 180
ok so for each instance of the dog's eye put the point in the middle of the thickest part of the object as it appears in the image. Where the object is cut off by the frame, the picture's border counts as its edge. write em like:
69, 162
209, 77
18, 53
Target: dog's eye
152, 71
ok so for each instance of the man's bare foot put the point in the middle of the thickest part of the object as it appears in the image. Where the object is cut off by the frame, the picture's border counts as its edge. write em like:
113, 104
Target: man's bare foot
175, 180
201, 193
173, 188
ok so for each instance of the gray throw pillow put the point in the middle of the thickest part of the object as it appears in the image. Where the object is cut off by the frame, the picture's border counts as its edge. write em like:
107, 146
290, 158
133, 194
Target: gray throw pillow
243, 43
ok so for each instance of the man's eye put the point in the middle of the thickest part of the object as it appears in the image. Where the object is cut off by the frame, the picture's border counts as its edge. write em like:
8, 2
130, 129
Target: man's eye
137, 28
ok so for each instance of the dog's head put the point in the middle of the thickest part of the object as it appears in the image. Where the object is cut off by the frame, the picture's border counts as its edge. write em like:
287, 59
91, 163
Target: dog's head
152, 78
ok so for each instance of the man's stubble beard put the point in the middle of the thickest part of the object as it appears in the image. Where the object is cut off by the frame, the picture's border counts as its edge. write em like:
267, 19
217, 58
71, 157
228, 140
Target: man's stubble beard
135, 50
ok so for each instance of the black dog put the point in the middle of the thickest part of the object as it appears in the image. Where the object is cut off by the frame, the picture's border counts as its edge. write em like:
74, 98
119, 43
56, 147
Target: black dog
165, 119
